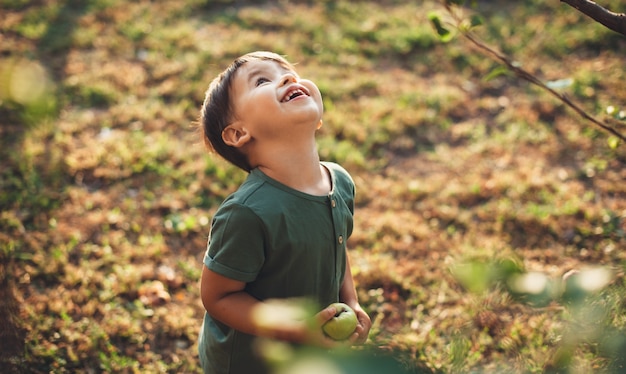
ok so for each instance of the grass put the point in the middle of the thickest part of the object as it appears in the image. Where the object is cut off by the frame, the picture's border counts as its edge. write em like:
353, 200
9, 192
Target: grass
467, 179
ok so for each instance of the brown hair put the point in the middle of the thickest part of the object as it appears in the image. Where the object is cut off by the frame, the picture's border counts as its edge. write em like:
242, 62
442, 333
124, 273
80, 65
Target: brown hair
217, 111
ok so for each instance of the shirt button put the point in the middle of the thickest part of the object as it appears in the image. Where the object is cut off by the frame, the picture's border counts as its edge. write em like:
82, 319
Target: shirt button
340, 239
333, 203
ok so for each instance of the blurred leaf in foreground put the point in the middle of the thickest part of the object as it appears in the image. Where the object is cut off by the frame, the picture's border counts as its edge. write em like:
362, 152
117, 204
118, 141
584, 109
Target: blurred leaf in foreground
26, 87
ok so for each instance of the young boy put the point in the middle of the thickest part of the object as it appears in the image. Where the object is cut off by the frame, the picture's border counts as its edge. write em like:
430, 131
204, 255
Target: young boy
283, 233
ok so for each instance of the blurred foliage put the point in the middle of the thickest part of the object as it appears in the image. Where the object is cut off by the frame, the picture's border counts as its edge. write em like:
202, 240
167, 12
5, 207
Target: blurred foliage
475, 193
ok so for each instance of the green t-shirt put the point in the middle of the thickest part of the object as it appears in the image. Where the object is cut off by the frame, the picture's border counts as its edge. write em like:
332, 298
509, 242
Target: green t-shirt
282, 243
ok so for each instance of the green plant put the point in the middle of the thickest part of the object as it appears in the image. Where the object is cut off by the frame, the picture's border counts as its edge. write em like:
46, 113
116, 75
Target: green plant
467, 178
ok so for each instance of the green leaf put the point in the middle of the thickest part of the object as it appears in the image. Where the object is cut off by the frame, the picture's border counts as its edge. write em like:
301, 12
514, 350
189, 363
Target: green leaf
476, 20
614, 142
498, 71
534, 288
475, 276
444, 34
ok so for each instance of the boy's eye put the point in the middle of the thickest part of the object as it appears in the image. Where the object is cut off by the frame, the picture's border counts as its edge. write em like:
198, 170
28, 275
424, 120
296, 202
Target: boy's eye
261, 80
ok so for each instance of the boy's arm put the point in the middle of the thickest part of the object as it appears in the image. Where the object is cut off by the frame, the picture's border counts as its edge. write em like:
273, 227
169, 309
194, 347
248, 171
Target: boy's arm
348, 295
227, 301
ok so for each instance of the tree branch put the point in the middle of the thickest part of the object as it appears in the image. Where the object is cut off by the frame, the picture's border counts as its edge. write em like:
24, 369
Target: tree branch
613, 21
536, 81
609, 125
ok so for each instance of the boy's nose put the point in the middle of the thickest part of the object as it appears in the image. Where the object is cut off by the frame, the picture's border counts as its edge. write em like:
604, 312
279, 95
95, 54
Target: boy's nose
288, 78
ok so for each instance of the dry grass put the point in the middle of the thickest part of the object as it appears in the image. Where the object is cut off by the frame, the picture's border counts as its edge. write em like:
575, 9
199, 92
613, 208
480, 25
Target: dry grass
106, 192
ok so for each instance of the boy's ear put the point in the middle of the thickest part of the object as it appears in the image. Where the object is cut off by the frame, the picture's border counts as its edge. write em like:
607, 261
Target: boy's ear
319, 125
235, 136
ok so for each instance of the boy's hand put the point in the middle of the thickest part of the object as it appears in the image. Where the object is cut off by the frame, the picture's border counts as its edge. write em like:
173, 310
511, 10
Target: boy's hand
362, 330
359, 336
290, 320
316, 334
285, 320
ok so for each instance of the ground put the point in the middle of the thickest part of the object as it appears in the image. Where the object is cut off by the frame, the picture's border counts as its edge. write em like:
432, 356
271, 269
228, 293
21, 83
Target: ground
466, 178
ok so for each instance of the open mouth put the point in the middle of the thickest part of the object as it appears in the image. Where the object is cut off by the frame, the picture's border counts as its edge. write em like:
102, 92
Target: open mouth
292, 94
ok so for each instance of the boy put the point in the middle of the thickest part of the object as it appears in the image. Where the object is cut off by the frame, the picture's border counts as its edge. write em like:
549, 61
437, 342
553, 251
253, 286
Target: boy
283, 233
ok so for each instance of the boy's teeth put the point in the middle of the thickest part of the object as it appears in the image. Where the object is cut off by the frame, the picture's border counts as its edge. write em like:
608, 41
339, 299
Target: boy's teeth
291, 94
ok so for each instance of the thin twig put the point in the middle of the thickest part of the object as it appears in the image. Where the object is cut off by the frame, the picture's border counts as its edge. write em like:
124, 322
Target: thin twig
528, 76
536, 81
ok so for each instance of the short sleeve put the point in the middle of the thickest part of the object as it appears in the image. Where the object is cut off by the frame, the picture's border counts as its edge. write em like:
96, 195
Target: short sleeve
236, 243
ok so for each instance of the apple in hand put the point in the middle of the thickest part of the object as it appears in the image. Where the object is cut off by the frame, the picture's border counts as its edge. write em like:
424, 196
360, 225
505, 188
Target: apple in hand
343, 324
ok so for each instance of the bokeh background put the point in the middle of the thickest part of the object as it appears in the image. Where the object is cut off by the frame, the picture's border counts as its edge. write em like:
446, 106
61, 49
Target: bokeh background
476, 191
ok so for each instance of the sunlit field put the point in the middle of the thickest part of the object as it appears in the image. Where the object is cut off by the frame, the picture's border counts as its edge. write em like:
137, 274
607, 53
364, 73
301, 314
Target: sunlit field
477, 192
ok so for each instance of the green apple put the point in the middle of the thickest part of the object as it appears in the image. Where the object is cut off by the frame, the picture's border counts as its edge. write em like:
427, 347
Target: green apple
342, 325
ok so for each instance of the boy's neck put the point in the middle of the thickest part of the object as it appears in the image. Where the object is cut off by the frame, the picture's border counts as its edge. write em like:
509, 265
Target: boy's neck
301, 171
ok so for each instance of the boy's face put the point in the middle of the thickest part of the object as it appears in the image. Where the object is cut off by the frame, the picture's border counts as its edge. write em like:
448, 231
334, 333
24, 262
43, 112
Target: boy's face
272, 100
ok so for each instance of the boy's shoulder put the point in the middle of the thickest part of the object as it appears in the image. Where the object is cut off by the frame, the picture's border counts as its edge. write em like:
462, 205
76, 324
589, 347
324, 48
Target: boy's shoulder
334, 167
338, 172
251, 186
